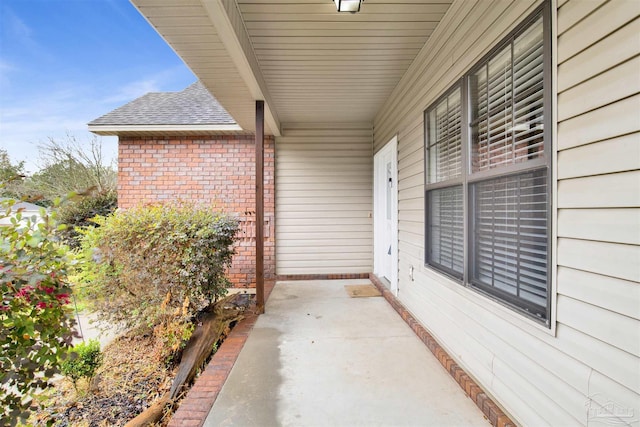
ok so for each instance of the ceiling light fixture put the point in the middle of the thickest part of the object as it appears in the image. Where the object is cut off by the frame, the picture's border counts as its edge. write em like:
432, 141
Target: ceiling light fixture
351, 6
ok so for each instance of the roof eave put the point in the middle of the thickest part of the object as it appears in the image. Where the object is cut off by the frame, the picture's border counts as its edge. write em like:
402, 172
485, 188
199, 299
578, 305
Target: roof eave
232, 73
168, 130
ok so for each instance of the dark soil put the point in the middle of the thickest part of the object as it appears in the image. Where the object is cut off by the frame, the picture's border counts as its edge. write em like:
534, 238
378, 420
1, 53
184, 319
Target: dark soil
129, 380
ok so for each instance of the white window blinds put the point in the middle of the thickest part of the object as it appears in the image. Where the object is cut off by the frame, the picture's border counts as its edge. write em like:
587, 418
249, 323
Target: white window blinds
510, 238
487, 180
507, 103
445, 226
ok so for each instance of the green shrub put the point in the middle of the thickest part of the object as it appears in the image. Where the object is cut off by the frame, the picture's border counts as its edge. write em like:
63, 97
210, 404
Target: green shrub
144, 255
35, 321
82, 361
80, 212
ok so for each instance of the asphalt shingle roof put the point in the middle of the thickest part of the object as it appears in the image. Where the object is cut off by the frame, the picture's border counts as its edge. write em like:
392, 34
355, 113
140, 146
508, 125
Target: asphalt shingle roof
192, 106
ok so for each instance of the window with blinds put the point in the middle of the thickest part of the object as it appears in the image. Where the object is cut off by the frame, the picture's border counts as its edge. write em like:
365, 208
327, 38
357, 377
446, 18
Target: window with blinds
487, 179
510, 239
445, 227
444, 141
445, 230
507, 103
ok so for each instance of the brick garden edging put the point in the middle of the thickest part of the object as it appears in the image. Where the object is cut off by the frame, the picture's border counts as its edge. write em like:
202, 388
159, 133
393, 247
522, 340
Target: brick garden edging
195, 407
491, 411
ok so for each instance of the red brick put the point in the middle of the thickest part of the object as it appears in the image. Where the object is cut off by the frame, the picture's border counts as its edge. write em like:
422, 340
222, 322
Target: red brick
218, 170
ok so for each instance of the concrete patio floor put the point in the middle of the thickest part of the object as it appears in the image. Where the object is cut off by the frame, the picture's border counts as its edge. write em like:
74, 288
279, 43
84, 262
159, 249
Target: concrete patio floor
320, 358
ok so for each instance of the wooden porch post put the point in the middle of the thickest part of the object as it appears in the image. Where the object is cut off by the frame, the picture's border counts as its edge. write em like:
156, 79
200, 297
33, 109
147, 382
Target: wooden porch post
260, 206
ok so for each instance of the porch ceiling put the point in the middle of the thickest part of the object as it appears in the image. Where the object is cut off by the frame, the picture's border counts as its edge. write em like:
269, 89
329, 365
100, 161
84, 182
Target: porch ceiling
308, 62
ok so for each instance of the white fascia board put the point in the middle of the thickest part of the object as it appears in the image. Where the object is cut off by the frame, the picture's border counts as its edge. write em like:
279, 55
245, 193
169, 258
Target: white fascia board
114, 129
247, 67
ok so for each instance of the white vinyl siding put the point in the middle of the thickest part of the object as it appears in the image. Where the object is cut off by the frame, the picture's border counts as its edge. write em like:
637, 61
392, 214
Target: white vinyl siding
591, 357
324, 199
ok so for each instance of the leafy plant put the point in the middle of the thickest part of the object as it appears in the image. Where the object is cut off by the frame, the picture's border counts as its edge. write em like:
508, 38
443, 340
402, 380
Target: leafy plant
81, 211
11, 175
172, 331
34, 315
140, 256
82, 361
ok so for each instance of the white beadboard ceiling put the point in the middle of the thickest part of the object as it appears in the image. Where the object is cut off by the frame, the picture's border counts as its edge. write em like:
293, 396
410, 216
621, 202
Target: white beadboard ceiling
308, 62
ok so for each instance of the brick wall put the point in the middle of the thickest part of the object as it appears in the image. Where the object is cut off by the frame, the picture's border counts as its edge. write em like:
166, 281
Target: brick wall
216, 170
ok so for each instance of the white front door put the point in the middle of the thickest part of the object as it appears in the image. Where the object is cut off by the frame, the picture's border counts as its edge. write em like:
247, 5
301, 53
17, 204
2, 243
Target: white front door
386, 214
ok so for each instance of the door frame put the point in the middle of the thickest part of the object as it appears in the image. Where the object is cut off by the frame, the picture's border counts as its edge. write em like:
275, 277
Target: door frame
390, 147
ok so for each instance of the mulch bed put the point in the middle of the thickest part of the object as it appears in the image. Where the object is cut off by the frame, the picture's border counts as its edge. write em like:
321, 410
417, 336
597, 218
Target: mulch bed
131, 378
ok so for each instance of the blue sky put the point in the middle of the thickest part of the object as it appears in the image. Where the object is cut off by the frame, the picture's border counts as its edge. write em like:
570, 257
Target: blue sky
64, 63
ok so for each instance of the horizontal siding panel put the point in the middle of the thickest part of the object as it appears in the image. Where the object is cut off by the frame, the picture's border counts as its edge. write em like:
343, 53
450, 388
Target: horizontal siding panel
412, 227
342, 145
410, 182
412, 141
326, 195
618, 190
626, 406
521, 407
589, 127
416, 204
413, 167
615, 155
293, 169
324, 250
551, 380
325, 154
606, 225
411, 296
347, 200
293, 208
413, 255
319, 187
321, 221
320, 235
619, 331
617, 83
617, 364
330, 228
412, 238
411, 216
610, 17
620, 46
324, 201
296, 135
615, 295
329, 179
553, 414
325, 270
609, 259
317, 264
335, 257
325, 215
574, 12
330, 159
325, 241
412, 193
